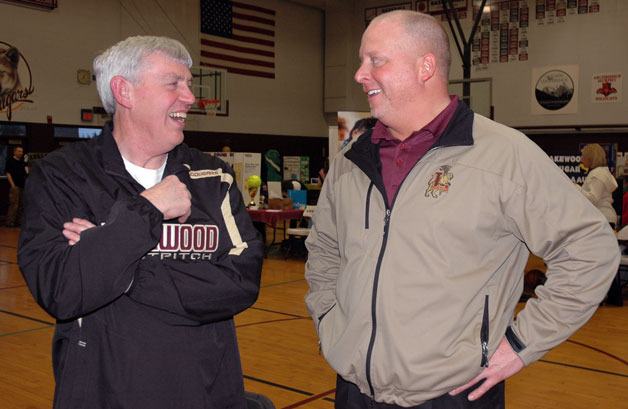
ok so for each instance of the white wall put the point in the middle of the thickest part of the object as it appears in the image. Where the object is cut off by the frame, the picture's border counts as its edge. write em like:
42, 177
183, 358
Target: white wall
59, 42
597, 43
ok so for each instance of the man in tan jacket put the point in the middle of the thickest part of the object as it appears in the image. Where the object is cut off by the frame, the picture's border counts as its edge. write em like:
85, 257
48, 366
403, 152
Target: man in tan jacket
421, 233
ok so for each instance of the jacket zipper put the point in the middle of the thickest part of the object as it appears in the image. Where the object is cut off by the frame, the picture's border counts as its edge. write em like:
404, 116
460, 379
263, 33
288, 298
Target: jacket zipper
368, 205
484, 334
369, 353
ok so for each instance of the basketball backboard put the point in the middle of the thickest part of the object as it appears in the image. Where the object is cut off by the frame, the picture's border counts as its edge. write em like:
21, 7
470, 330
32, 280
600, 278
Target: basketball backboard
209, 86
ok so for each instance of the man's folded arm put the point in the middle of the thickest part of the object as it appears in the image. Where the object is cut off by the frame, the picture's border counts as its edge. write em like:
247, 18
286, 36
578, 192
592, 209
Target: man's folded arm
70, 281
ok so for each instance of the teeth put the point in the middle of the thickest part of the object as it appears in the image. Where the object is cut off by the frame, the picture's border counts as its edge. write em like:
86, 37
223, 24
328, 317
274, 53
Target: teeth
178, 115
373, 92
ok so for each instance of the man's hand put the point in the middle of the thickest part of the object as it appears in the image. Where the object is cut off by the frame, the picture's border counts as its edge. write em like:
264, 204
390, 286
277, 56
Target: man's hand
503, 364
72, 230
171, 197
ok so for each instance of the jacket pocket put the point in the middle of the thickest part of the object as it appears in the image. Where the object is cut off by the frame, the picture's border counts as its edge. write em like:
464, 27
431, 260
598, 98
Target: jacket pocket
320, 317
321, 336
484, 331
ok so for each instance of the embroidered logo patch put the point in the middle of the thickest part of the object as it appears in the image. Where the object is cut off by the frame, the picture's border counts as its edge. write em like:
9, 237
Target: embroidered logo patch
439, 182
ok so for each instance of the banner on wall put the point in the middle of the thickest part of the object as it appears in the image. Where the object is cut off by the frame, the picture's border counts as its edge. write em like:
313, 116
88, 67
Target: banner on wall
16, 85
569, 162
555, 11
606, 88
555, 90
502, 36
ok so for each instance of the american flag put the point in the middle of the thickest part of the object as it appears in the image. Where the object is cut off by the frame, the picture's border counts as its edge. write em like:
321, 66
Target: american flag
238, 37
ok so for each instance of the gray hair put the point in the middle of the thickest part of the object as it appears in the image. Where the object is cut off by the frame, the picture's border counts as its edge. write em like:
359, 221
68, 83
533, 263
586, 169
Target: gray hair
126, 58
426, 34
596, 153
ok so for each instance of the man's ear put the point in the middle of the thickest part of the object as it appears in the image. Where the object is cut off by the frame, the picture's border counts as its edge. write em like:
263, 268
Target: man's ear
121, 89
427, 67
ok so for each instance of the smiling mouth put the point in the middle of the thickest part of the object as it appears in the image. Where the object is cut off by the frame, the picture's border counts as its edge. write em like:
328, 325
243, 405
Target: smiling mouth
178, 116
373, 92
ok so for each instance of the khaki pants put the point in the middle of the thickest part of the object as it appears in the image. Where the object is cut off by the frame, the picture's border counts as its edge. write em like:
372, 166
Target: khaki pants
14, 214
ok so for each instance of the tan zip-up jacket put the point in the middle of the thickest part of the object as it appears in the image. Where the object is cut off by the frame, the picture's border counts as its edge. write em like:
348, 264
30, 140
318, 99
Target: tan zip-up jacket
404, 298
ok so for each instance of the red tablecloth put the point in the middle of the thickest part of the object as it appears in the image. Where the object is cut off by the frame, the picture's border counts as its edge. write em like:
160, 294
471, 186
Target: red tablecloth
271, 216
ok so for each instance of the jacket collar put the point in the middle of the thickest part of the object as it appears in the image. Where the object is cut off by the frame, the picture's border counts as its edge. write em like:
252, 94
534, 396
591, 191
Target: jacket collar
365, 154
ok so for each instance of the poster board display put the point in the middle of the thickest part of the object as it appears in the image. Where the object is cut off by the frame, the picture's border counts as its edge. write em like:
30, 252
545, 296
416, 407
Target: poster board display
296, 167
244, 164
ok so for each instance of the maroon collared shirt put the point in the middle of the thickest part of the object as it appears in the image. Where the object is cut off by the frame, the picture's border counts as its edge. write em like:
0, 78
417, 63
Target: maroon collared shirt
399, 157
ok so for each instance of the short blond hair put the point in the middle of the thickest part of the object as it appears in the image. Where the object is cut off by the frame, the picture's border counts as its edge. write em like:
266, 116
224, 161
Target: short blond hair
596, 154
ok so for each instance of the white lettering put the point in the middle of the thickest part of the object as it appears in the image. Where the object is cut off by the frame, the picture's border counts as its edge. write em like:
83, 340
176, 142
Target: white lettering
187, 238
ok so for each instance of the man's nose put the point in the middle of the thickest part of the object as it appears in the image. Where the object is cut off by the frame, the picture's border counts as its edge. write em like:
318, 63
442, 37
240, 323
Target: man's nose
361, 74
187, 96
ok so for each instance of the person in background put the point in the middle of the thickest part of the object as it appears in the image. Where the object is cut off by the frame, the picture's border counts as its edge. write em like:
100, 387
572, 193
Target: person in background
598, 187
421, 234
16, 172
322, 172
141, 247
599, 184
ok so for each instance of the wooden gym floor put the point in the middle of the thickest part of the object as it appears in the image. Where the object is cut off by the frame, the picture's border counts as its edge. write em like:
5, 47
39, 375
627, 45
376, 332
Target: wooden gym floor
280, 353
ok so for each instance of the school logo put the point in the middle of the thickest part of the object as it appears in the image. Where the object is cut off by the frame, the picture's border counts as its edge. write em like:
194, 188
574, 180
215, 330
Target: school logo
606, 89
16, 82
439, 182
554, 90
186, 242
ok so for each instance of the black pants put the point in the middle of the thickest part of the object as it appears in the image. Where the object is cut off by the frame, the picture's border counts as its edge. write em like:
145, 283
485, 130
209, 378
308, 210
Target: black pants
348, 396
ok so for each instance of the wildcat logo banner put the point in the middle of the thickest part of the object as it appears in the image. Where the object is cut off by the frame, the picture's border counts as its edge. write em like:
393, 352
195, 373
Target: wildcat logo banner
16, 81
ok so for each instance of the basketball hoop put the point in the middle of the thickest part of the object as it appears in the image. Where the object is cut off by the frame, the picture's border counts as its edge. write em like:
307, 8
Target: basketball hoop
210, 106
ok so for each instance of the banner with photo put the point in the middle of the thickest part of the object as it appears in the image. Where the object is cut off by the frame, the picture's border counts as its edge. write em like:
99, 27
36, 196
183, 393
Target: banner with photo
554, 90
338, 134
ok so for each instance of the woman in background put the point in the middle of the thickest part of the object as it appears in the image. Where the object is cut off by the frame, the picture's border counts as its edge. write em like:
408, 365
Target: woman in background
599, 184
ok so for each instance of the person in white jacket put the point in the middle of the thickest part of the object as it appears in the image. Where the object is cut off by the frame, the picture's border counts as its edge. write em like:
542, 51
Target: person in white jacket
600, 183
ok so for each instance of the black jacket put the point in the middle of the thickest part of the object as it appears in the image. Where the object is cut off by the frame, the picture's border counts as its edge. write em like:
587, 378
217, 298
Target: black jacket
156, 298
